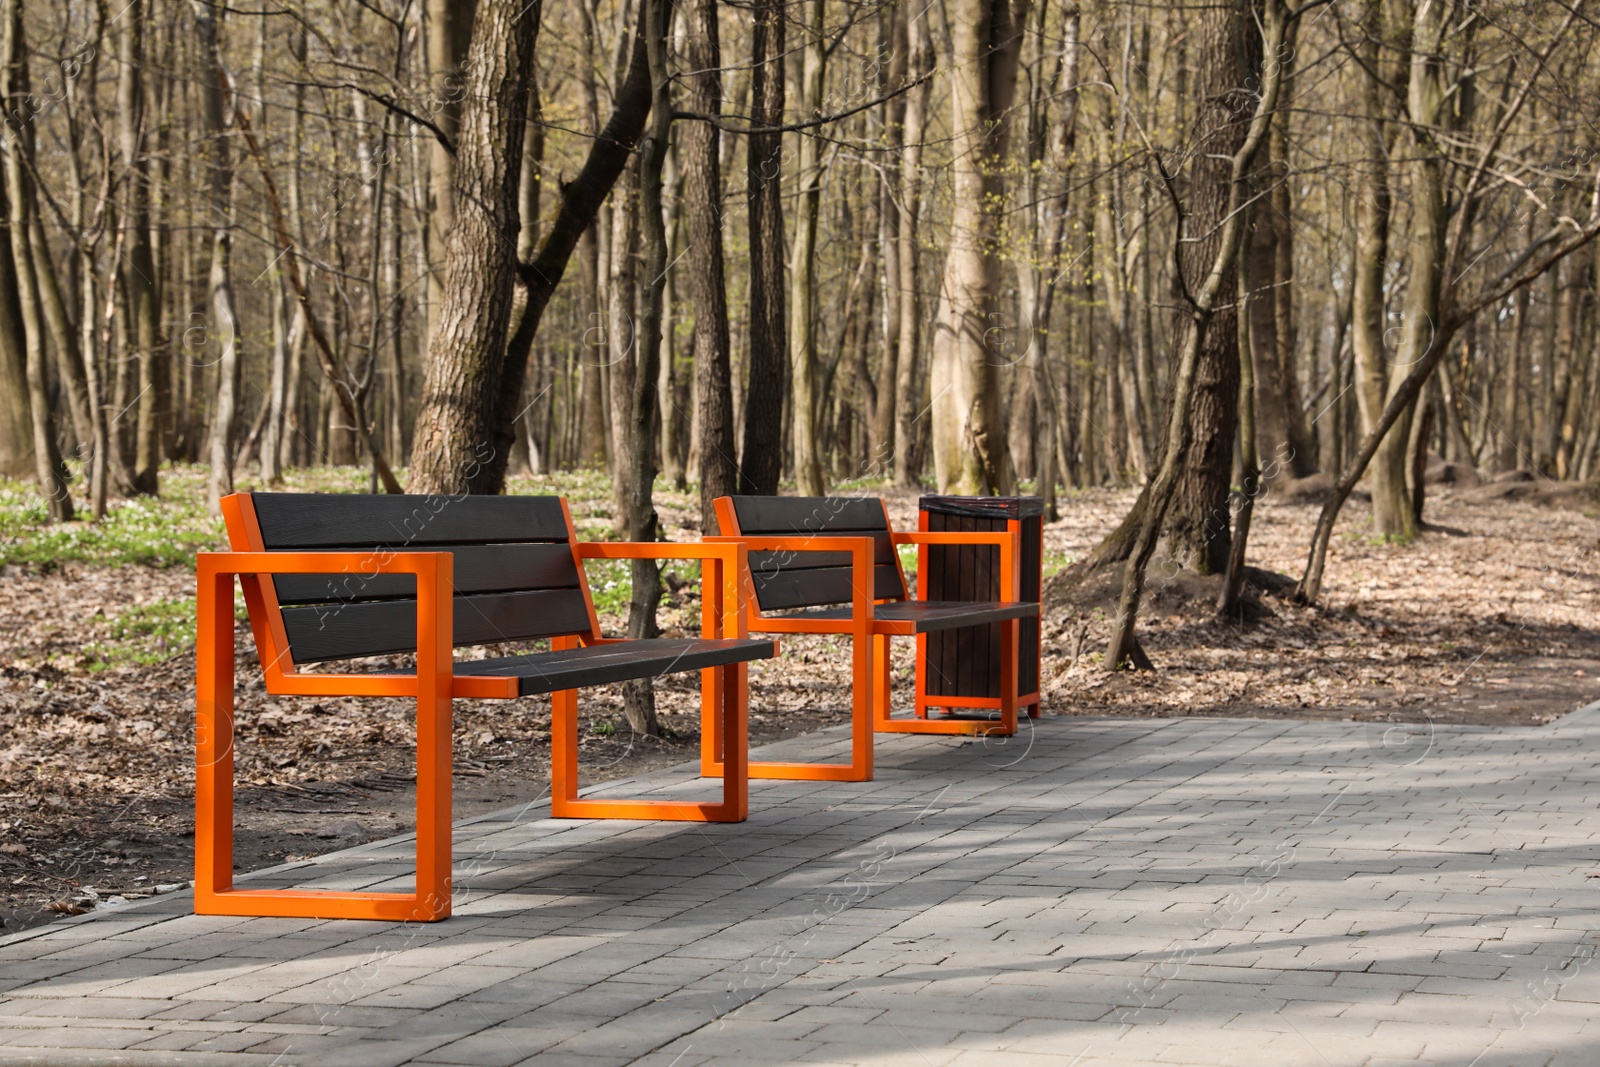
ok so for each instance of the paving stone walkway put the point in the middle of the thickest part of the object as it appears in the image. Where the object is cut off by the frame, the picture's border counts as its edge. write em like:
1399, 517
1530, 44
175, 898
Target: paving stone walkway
1100, 892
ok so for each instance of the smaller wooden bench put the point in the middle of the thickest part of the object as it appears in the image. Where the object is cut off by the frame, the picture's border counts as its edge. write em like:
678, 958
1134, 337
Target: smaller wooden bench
339, 577
829, 565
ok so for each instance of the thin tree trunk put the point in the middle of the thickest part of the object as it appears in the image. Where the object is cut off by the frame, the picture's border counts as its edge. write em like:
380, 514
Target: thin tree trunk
16, 415
639, 696
139, 272
64, 332
224, 326
271, 445
803, 292
702, 204
669, 430
622, 324
761, 459
1250, 483
909, 377
580, 203
1301, 446
19, 208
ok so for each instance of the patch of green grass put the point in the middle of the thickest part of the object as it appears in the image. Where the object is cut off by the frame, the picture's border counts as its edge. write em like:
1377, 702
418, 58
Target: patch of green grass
145, 531
145, 635
611, 581
167, 530
1056, 561
610, 584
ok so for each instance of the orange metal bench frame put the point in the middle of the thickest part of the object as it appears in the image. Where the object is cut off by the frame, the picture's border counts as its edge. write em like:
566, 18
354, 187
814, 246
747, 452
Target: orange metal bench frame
870, 676
724, 694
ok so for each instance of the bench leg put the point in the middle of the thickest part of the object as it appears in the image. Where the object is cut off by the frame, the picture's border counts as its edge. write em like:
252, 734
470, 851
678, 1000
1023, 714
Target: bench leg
723, 727
882, 679
214, 893
859, 769
1009, 633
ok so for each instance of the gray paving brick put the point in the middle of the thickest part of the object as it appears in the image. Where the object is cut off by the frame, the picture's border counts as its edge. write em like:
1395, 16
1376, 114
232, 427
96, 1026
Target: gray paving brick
1105, 895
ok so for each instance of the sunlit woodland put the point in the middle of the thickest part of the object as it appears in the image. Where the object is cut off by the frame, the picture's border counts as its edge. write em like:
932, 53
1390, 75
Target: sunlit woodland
1287, 310
977, 245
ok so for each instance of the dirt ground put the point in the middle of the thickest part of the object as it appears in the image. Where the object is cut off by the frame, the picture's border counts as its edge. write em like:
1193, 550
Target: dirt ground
1490, 618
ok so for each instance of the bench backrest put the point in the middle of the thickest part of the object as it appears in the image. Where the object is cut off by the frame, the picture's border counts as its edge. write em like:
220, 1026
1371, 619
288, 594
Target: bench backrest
516, 575
784, 579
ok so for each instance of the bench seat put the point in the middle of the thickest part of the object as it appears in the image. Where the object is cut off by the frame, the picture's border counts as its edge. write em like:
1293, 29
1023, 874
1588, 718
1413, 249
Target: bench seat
538, 673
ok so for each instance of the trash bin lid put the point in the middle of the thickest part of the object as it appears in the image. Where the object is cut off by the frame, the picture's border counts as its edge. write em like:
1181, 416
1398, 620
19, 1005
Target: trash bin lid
984, 507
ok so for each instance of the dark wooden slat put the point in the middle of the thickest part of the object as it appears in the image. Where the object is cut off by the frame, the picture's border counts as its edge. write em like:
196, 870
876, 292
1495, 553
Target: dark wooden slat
477, 569
930, 616
882, 552
975, 647
966, 662
796, 587
374, 628
548, 672
337, 520
807, 514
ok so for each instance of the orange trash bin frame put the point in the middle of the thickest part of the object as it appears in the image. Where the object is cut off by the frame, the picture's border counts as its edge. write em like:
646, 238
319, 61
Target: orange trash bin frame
1030, 701
724, 694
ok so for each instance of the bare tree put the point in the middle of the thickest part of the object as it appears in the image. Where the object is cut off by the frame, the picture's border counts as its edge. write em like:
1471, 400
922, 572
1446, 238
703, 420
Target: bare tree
1221, 30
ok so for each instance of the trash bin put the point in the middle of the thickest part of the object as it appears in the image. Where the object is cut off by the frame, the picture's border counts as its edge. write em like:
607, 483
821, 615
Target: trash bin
959, 670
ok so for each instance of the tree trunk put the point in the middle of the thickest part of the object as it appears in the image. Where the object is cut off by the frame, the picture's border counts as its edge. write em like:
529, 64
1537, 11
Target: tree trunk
908, 369
702, 208
803, 292
224, 324
1197, 522
458, 438
1258, 276
450, 457
139, 272
1249, 448
969, 448
1227, 35
20, 207
1301, 444
1393, 515
761, 459
449, 28
16, 415
621, 332
639, 696
64, 332
1373, 206
669, 429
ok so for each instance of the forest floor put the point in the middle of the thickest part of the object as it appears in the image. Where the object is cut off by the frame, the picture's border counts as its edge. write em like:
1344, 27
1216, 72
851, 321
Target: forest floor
1492, 617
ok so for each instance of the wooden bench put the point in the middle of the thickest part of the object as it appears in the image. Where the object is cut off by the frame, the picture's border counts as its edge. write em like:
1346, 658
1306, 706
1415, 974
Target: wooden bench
339, 577
829, 565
